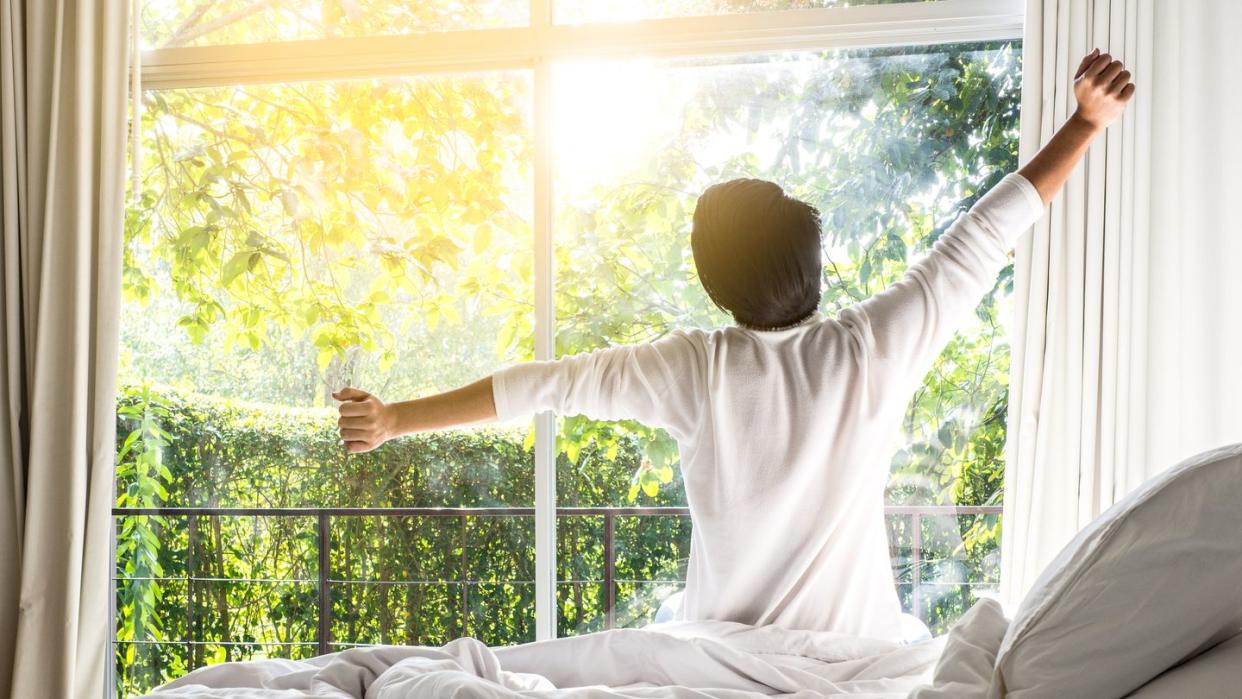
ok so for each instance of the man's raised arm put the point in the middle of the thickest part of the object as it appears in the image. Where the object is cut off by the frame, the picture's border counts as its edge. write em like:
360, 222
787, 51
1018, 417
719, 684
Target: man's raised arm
901, 329
1102, 88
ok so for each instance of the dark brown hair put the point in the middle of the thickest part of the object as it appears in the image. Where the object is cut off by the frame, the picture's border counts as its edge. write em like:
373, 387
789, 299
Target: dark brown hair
758, 252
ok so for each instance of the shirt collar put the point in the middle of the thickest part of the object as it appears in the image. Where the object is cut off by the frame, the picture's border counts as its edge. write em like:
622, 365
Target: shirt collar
815, 317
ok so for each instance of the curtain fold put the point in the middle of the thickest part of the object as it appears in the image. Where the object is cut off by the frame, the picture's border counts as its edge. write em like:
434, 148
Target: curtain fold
1124, 334
62, 176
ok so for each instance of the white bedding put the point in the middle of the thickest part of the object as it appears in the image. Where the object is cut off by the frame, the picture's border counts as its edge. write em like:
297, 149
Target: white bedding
721, 660
1145, 588
682, 660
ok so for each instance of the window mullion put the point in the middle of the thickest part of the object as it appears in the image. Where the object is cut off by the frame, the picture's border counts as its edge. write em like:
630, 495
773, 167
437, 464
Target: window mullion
545, 348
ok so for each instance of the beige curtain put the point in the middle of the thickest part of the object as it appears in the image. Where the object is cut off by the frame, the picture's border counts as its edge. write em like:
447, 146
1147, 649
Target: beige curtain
62, 170
1126, 333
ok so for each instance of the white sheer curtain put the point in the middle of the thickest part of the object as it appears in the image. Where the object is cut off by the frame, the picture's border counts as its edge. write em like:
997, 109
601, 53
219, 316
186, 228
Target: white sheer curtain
1126, 334
62, 178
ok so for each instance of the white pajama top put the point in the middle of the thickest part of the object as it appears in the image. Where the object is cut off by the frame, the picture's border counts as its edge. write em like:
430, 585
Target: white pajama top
782, 433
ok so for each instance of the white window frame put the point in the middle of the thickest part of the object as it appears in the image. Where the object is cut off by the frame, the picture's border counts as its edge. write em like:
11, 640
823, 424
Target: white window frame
535, 48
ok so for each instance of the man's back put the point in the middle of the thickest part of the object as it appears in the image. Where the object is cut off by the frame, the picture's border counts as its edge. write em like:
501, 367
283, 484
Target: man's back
781, 431
786, 483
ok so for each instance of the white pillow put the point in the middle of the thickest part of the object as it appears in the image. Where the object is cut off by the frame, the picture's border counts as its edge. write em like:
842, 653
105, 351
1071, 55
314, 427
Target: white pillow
1152, 581
1216, 673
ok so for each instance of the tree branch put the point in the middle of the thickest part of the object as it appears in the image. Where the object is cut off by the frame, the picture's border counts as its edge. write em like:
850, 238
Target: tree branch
185, 34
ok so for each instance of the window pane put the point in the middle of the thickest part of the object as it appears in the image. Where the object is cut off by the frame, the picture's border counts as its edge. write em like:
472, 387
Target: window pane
890, 145
170, 23
290, 240
582, 11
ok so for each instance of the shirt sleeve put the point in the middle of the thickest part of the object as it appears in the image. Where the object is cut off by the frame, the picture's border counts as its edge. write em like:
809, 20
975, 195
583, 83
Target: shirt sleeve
659, 383
903, 328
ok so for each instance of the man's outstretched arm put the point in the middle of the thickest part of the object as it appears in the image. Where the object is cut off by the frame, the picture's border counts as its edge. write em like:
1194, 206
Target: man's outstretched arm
367, 422
659, 383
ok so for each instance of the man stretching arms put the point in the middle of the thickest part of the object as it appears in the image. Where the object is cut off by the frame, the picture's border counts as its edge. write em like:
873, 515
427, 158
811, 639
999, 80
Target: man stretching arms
779, 417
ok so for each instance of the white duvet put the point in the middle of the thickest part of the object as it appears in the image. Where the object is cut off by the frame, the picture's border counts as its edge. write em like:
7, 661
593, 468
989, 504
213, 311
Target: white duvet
721, 660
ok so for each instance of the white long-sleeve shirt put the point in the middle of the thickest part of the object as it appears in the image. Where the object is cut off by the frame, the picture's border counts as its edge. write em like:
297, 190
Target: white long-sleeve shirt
781, 432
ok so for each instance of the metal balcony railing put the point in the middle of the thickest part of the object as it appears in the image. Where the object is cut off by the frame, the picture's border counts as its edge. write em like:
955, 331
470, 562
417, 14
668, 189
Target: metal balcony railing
325, 515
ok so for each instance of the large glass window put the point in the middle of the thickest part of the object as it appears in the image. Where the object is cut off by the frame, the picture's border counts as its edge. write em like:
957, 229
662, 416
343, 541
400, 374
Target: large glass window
388, 230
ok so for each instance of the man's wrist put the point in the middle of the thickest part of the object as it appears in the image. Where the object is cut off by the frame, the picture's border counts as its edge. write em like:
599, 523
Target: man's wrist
390, 419
1079, 121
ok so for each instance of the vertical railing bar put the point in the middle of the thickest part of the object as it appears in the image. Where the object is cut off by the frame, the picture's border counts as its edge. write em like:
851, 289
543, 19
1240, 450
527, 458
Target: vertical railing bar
916, 559
191, 542
325, 598
610, 592
465, 588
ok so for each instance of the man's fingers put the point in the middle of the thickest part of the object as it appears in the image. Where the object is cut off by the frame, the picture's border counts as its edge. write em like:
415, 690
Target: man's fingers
350, 393
1119, 82
1111, 72
354, 408
1127, 92
352, 422
1086, 61
354, 434
1099, 64
358, 447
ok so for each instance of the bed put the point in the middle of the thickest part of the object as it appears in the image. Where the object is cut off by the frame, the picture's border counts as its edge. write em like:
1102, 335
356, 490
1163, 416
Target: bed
676, 659
1145, 602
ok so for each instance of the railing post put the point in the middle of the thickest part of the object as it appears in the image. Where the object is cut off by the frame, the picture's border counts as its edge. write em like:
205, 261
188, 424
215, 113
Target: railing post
610, 592
191, 542
916, 559
325, 597
465, 587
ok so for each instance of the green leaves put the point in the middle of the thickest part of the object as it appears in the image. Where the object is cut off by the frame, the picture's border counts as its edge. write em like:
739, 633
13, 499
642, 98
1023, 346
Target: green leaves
286, 198
650, 475
145, 478
240, 262
194, 239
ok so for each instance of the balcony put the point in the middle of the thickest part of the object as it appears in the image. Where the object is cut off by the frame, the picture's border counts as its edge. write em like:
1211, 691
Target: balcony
926, 575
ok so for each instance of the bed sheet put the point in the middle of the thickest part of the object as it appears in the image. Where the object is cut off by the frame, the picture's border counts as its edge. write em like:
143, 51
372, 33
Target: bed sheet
716, 660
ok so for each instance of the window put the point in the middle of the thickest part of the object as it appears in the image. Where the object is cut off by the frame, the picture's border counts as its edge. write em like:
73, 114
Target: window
406, 216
